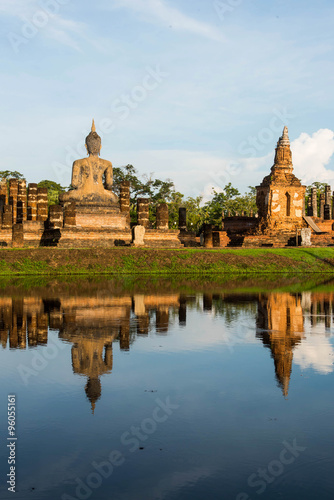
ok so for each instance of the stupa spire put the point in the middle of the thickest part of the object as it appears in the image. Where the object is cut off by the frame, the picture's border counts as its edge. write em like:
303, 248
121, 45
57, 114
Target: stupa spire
93, 126
284, 139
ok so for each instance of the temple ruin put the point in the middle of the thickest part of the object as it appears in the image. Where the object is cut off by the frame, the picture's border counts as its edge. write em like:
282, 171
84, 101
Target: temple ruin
90, 214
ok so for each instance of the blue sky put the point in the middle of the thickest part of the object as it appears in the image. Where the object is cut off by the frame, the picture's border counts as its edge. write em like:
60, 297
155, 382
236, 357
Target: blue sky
197, 91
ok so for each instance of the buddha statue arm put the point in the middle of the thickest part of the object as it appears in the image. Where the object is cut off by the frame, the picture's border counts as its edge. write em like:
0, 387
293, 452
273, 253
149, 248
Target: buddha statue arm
108, 176
76, 177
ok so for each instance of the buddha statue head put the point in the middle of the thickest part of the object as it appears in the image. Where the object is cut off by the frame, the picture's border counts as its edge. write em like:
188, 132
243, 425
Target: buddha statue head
93, 142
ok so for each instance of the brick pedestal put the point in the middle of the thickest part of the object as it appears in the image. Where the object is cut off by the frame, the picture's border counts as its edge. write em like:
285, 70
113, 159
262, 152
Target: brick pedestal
17, 236
70, 215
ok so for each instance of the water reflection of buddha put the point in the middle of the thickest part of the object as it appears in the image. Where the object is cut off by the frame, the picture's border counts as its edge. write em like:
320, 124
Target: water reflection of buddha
92, 324
92, 358
280, 326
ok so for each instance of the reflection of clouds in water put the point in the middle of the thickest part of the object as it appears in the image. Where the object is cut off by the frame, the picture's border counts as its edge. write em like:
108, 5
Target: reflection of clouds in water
205, 332
315, 351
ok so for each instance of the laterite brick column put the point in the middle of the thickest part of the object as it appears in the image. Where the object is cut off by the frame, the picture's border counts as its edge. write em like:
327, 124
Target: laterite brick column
42, 204
143, 205
327, 212
314, 202
162, 217
7, 217
32, 202
124, 199
13, 192
328, 201
22, 201
56, 217
309, 207
208, 243
183, 219
322, 206
3, 194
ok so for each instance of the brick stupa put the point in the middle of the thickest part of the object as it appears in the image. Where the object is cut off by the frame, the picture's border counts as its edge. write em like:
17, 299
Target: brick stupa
280, 196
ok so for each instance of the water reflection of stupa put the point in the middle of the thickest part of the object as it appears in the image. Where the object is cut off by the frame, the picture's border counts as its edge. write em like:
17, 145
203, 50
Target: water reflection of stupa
280, 325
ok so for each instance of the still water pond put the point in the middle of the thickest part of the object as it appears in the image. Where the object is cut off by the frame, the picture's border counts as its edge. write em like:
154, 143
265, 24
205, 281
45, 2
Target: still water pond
162, 391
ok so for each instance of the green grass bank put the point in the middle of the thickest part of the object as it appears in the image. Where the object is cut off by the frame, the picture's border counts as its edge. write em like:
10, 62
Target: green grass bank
127, 261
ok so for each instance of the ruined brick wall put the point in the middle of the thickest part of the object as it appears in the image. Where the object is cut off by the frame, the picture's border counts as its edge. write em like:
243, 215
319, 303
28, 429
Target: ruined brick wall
239, 225
162, 239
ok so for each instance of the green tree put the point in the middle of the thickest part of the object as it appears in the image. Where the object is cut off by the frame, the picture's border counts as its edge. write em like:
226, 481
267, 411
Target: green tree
176, 200
9, 174
320, 186
147, 186
225, 201
229, 200
195, 213
54, 191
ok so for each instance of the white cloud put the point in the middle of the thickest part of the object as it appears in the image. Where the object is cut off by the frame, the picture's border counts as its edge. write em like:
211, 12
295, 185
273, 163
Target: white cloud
312, 155
239, 332
196, 173
315, 352
159, 11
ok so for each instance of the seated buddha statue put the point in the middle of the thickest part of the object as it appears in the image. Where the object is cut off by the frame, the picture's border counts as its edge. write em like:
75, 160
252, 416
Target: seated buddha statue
92, 177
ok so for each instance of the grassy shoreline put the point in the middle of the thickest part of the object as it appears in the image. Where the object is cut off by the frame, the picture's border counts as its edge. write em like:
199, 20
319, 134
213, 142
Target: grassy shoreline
163, 262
